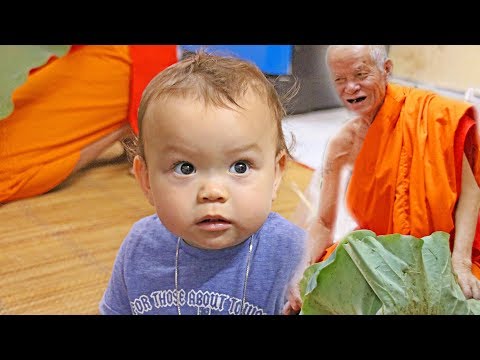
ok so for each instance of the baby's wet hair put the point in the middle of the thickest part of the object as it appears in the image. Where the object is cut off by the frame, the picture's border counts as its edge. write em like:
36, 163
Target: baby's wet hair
218, 80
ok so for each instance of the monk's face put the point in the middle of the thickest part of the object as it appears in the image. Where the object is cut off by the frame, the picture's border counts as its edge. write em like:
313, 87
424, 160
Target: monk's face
359, 83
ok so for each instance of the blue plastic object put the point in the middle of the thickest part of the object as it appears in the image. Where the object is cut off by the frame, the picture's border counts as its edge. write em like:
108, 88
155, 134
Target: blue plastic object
271, 59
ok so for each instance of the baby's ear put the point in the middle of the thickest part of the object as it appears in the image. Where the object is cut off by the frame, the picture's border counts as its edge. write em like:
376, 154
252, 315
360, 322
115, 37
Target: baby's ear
141, 174
280, 163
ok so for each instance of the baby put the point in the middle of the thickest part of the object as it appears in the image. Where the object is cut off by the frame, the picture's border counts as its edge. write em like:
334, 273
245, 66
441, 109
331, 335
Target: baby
210, 158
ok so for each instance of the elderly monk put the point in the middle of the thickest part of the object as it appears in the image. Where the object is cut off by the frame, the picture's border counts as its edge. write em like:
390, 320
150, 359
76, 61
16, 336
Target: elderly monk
414, 161
70, 110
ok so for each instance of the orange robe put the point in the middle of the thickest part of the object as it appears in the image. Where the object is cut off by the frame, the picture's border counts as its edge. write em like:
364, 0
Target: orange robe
68, 104
407, 176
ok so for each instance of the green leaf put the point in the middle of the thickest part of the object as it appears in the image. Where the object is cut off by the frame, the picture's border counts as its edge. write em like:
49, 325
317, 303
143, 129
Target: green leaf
335, 286
16, 61
390, 274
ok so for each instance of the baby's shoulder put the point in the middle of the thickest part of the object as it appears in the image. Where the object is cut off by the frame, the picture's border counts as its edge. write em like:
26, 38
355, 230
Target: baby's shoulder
147, 225
145, 230
282, 242
283, 230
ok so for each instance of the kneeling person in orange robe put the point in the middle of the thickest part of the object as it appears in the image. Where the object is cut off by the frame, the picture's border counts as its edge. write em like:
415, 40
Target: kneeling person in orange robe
70, 110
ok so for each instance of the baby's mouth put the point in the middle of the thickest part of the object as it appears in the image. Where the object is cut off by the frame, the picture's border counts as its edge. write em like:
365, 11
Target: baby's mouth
213, 220
357, 100
214, 223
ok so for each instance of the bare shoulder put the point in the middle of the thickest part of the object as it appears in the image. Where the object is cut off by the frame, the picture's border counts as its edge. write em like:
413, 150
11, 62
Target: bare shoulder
346, 143
345, 136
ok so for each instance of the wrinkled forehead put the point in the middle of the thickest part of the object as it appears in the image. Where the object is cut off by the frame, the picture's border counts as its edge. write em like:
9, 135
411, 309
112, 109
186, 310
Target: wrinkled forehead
349, 60
357, 54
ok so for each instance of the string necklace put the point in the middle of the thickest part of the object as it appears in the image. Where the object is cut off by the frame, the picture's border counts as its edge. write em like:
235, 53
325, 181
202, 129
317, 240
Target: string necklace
247, 271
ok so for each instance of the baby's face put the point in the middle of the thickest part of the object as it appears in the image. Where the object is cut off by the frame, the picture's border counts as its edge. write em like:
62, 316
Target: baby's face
212, 172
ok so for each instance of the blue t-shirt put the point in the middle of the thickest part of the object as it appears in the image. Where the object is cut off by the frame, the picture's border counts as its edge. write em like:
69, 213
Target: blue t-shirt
209, 282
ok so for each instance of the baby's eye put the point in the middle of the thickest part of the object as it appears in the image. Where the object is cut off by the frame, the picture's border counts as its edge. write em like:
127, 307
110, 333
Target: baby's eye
239, 167
184, 168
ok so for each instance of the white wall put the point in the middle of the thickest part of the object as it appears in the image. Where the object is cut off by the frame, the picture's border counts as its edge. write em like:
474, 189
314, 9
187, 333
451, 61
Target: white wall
451, 67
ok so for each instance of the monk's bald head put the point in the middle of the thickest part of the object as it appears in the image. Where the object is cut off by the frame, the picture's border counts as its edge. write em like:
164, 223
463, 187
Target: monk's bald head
377, 53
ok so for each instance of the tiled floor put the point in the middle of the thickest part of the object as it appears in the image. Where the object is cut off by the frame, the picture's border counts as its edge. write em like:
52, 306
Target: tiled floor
312, 131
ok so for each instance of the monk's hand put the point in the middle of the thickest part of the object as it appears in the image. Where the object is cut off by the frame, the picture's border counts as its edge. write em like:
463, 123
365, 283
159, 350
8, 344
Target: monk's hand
469, 284
294, 301
316, 246
318, 240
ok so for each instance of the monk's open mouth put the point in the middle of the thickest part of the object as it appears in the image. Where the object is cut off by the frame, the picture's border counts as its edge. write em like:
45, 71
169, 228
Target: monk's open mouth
357, 100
